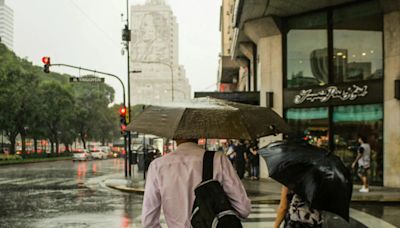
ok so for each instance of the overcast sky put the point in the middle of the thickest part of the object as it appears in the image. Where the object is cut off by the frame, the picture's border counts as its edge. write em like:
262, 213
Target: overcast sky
87, 33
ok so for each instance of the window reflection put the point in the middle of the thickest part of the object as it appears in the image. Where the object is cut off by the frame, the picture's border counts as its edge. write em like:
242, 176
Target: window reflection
307, 55
352, 121
357, 40
311, 124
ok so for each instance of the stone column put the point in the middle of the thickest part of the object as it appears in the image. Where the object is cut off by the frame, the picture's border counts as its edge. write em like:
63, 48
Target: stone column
265, 33
391, 129
270, 79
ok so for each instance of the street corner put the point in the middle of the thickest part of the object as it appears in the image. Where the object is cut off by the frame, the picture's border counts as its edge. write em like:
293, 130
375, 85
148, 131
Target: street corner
124, 186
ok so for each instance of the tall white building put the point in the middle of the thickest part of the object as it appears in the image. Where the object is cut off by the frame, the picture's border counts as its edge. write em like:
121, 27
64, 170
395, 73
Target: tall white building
6, 25
154, 52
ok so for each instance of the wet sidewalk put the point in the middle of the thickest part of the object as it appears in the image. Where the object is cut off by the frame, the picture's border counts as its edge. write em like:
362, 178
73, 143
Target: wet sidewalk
262, 191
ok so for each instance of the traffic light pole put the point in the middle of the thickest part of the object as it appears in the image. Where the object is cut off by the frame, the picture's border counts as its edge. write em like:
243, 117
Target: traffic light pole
124, 102
96, 72
128, 39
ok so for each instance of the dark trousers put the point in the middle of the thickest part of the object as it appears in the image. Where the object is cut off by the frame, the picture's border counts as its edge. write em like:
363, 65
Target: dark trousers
240, 168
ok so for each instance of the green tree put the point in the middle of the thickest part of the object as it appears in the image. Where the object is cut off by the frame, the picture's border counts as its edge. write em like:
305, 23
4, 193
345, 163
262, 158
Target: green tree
58, 103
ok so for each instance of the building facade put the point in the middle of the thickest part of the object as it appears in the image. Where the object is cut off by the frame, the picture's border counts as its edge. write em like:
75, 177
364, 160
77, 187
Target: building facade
330, 68
6, 25
154, 52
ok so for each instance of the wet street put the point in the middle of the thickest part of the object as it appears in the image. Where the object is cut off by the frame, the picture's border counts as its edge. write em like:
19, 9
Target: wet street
64, 194
73, 194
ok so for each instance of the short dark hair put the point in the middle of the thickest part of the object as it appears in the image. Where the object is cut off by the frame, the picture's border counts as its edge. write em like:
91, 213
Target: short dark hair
363, 138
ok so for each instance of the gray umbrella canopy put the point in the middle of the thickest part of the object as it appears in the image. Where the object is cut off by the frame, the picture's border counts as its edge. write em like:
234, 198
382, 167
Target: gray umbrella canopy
208, 118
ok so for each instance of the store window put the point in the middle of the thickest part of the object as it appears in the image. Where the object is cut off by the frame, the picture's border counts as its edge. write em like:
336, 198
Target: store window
310, 124
353, 121
357, 53
307, 51
354, 39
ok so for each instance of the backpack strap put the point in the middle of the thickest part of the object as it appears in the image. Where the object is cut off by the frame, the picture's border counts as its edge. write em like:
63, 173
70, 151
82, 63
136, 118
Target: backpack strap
208, 163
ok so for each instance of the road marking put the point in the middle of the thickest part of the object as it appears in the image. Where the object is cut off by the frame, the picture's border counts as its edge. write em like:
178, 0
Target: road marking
29, 181
369, 220
12, 180
259, 212
257, 224
50, 181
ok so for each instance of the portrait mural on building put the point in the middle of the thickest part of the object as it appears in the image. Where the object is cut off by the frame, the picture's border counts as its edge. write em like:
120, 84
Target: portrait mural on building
152, 44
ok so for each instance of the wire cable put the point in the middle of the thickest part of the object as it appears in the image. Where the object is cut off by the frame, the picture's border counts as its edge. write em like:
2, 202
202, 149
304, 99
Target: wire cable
94, 23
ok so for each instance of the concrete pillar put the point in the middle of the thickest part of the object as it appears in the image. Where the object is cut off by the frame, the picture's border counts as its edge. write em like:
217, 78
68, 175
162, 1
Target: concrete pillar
270, 76
248, 50
266, 33
391, 129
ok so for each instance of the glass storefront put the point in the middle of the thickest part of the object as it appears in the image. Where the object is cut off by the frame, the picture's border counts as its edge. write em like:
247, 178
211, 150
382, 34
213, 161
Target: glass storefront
352, 121
310, 124
328, 54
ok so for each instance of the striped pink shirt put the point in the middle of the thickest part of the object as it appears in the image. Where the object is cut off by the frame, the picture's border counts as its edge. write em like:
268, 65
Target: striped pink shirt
171, 181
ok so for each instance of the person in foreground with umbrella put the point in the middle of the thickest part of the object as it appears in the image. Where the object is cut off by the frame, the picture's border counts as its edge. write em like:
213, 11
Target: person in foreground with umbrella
314, 179
171, 181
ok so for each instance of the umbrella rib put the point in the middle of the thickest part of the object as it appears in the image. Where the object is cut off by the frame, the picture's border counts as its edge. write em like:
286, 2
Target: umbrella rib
179, 121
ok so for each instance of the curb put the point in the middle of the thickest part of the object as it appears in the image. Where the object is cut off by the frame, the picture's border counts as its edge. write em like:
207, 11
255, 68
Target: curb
122, 188
34, 161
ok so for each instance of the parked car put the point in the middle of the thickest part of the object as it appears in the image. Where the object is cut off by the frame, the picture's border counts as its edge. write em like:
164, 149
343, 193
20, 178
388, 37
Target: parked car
81, 155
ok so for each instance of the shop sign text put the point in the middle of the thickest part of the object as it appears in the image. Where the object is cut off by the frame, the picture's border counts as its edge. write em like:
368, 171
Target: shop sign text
331, 92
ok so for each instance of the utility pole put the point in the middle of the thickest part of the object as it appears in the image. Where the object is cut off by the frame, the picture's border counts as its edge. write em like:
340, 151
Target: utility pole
126, 36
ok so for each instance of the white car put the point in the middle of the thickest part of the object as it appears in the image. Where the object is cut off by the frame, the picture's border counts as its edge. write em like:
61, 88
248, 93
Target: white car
98, 154
81, 155
106, 150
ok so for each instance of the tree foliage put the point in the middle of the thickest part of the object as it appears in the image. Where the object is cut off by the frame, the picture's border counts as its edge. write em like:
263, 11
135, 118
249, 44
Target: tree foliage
46, 106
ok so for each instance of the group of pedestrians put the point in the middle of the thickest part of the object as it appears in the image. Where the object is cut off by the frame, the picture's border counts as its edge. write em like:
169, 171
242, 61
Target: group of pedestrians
173, 179
244, 157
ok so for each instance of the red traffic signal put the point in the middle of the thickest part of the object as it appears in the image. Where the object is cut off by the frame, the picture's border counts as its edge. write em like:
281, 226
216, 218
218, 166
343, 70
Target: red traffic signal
46, 60
122, 111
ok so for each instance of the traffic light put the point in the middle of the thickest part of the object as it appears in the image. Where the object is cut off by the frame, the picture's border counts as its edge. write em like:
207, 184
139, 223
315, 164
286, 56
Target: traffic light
122, 115
46, 61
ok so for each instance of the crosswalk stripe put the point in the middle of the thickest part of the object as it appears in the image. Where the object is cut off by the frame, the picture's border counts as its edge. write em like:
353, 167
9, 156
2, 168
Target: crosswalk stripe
258, 212
49, 182
257, 224
11, 180
68, 183
263, 210
29, 181
262, 215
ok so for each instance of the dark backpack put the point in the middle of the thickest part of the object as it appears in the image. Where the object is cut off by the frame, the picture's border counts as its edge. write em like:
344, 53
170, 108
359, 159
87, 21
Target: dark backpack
212, 207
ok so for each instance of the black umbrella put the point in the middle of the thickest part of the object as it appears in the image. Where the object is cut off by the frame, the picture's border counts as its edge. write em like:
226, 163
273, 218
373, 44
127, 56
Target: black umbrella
318, 176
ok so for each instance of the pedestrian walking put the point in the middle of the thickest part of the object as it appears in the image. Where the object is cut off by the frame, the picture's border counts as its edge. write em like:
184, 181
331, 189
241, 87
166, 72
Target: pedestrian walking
171, 182
241, 157
230, 153
363, 159
295, 212
254, 159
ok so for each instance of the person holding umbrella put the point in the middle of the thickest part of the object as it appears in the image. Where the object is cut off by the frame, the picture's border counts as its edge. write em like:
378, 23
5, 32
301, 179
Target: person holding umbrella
295, 212
314, 180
